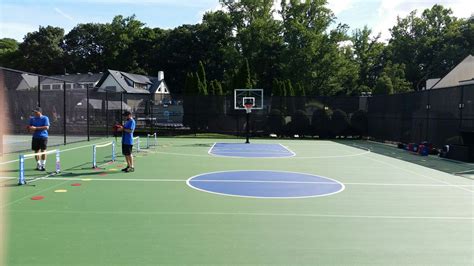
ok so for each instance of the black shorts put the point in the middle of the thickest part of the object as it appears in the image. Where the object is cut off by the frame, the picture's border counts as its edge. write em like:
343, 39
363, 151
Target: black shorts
39, 144
127, 149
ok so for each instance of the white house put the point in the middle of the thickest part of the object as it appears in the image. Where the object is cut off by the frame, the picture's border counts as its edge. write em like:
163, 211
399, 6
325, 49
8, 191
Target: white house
462, 73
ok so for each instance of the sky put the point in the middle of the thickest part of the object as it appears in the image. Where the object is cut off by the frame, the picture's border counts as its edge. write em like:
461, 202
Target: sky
18, 17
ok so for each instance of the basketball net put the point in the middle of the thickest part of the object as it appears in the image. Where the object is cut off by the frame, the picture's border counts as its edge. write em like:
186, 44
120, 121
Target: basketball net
248, 107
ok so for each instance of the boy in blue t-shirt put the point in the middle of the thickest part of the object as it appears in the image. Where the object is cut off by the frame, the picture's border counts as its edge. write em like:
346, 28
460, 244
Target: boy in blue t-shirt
127, 140
39, 126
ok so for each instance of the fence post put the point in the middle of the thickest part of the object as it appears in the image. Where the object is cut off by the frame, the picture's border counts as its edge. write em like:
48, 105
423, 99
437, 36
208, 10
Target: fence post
106, 113
428, 109
64, 112
461, 107
39, 91
121, 108
87, 114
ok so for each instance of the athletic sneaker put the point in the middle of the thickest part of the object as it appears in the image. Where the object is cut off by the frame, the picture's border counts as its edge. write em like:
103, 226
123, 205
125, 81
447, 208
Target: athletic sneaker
125, 169
42, 169
130, 169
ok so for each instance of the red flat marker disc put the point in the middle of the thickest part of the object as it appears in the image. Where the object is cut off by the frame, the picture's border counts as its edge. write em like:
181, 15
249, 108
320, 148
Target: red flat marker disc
37, 197
76, 185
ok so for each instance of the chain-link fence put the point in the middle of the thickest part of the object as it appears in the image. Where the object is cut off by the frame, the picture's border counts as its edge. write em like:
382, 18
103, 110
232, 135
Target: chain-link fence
78, 111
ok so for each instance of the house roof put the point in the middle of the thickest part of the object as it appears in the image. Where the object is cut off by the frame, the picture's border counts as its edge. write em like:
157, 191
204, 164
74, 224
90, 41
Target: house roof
31, 81
463, 71
139, 78
157, 85
121, 77
74, 78
96, 104
13, 79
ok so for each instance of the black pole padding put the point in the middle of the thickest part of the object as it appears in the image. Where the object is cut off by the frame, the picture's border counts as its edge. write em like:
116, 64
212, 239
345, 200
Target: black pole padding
64, 112
248, 128
87, 114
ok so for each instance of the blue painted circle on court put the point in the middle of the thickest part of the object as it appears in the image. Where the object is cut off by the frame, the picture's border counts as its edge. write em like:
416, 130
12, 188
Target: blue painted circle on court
265, 184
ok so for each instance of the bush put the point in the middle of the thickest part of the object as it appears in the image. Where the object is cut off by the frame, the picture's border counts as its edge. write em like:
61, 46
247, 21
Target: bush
299, 123
339, 123
320, 123
276, 122
359, 122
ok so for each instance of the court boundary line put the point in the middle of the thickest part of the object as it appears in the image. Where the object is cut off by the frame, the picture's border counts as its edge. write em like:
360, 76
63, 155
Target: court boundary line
409, 171
288, 149
306, 215
418, 174
292, 158
467, 164
254, 181
242, 157
254, 197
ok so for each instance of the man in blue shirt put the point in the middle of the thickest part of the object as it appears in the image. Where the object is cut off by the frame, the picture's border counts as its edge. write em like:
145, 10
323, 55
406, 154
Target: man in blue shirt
39, 126
127, 140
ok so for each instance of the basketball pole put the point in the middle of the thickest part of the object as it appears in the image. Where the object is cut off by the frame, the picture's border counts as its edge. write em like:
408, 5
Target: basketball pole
248, 127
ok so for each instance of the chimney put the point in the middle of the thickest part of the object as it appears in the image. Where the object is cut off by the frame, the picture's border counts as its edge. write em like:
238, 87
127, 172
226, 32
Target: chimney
161, 75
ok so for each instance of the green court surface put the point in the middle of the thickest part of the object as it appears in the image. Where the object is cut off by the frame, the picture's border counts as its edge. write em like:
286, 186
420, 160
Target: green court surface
391, 212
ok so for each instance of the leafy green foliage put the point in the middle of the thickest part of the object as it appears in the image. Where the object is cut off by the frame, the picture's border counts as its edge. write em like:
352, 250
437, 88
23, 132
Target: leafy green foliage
359, 122
320, 123
300, 53
276, 122
339, 123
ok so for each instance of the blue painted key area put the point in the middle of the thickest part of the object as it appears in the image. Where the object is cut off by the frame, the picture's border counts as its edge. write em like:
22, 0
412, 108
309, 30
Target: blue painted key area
265, 184
251, 150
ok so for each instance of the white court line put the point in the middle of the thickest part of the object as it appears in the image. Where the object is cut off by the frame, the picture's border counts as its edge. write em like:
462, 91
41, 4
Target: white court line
418, 174
212, 147
221, 154
289, 157
304, 215
288, 149
254, 181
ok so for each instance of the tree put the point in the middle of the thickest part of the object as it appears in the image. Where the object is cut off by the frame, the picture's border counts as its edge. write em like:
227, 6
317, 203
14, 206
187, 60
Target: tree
396, 74
8, 52
202, 80
258, 38
41, 51
339, 123
85, 47
430, 45
299, 123
359, 122
384, 85
276, 122
368, 55
314, 57
320, 122
243, 78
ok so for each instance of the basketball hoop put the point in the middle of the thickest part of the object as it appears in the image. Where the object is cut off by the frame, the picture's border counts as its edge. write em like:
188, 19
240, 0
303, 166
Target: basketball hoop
248, 107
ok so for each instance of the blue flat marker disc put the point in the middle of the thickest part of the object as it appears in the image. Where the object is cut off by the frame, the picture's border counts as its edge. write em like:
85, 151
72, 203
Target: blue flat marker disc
265, 184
